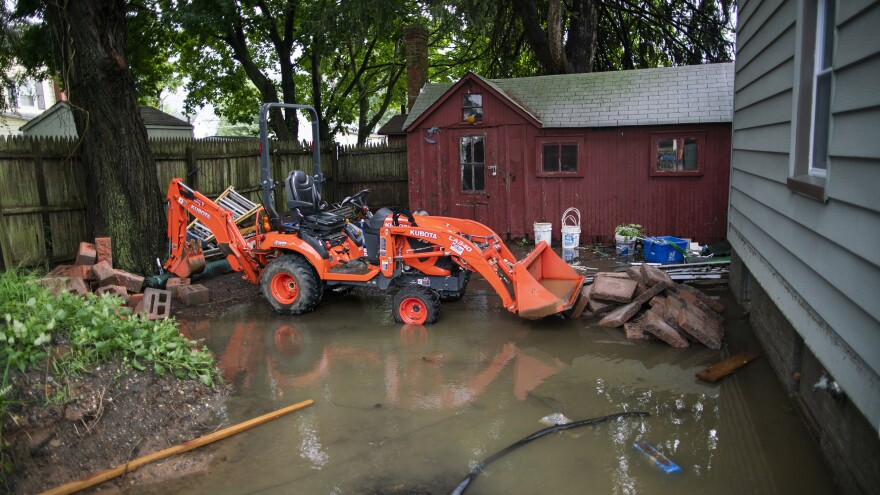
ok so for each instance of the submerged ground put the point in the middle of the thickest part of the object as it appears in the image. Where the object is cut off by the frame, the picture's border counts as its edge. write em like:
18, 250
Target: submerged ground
413, 409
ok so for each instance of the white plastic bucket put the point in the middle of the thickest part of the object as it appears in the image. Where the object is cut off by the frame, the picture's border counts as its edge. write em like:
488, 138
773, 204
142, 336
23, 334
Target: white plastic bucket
542, 232
571, 228
626, 246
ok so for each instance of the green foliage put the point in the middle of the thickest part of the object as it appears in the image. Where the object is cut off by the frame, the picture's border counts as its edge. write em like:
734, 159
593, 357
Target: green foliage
97, 329
630, 230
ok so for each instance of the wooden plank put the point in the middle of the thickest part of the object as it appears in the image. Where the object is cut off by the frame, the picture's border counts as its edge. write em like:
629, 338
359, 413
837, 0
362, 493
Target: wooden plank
720, 370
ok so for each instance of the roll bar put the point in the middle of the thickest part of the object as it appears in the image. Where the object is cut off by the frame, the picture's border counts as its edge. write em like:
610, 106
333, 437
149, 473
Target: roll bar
265, 174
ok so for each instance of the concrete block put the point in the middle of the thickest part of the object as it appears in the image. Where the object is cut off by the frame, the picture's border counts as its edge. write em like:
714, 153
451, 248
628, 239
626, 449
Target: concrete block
650, 293
699, 326
104, 249
581, 303
86, 254
116, 290
614, 289
133, 283
104, 273
598, 307
194, 294
635, 329
157, 304
653, 275
174, 283
620, 315
656, 326
716, 306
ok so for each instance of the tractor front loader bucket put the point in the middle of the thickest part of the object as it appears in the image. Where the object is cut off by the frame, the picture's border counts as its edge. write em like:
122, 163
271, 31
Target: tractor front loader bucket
192, 260
544, 284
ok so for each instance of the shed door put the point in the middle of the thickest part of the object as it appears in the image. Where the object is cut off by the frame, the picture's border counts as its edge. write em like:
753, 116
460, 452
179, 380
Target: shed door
475, 175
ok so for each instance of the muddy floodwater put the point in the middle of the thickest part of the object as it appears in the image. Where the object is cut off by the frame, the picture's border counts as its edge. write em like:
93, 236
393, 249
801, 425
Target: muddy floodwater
413, 409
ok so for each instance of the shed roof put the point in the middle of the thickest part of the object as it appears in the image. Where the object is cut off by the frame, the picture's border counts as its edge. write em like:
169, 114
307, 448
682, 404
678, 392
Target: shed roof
152, 117
688, 94
394, 126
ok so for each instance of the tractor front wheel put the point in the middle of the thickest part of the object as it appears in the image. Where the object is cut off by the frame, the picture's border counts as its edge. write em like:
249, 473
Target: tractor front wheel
291, 285
416, 305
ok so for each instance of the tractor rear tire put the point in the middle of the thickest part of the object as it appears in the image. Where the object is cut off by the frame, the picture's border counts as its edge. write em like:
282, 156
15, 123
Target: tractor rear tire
416, 305
291, 285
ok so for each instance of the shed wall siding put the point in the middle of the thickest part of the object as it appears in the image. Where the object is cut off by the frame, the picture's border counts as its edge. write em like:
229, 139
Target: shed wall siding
827, 253
616, 186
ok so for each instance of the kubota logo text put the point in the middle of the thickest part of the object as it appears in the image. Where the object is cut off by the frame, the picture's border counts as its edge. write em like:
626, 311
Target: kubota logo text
423, 233
199, 211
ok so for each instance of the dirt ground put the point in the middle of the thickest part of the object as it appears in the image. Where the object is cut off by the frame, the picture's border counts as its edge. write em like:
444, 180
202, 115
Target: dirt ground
117, 414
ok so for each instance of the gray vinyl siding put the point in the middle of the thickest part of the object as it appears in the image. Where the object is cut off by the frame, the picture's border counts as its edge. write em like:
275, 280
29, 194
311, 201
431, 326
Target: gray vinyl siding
819, 261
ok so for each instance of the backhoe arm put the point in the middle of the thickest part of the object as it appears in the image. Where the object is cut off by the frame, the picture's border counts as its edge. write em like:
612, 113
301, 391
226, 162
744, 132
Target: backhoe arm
183, 200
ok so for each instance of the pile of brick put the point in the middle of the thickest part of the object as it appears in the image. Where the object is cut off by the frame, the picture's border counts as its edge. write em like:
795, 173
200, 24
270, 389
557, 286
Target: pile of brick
93, 272
648, 304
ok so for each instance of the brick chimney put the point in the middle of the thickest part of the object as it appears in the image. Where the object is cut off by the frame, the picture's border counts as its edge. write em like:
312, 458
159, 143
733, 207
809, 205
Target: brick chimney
416, 38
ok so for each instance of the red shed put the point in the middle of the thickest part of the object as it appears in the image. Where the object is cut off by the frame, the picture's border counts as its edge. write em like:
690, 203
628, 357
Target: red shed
649, 146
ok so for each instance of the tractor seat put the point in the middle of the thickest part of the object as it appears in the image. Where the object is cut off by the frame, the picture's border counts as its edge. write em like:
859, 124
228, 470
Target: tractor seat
301, 194
304, 203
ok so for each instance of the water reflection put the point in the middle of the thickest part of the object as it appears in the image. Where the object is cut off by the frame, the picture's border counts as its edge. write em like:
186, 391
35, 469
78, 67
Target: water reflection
412, 378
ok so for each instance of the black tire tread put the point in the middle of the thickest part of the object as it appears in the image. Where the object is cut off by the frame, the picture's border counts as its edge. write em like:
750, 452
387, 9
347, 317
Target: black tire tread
429, 298
310, 287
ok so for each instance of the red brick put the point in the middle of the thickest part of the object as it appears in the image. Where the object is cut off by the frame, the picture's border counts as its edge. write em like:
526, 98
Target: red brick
81, 271
614, 289
655, 325
135, 300
692, 300
54, 284
614, 274
716, 306
650, 292
117, 290
60, 271
104, 249
635, 273
86, 254
653, 275
77, 286
657, 300
581, 303
620, 315
157, 304
133, 283
193, 294
104, 273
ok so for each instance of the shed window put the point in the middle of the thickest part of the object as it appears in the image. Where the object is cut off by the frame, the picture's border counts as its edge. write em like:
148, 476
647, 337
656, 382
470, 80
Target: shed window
677, 154
560, 157
472, 107
473, 163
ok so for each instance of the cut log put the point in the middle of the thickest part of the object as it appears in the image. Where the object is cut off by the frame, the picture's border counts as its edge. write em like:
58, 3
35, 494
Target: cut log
720, 370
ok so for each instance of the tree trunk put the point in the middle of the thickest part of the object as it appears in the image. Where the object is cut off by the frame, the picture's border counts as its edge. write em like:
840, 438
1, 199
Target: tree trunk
123, 196
582, 36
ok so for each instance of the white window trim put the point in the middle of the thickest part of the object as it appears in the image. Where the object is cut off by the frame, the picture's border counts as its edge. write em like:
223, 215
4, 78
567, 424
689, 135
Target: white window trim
819, 71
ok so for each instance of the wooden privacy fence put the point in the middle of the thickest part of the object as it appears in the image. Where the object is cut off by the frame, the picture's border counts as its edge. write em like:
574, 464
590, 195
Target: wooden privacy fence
43, 187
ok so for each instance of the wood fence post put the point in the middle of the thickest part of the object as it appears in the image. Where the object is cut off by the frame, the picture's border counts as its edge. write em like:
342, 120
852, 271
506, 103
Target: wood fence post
40, 174
192, 167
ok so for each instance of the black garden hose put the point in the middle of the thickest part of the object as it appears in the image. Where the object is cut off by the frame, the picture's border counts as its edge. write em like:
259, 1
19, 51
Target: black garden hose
463, 485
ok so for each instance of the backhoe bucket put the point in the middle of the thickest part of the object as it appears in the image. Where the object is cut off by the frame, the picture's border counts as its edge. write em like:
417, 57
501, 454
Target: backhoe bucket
545, 284
191, 262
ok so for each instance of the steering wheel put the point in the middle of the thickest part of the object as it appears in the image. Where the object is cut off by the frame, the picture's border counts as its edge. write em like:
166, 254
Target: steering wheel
396, 216
357, 199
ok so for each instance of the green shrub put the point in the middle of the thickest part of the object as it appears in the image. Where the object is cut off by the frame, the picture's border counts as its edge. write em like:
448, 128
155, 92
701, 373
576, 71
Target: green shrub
96, 329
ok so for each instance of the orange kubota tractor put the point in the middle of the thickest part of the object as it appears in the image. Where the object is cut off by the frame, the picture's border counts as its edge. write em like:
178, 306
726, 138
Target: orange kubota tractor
297, 254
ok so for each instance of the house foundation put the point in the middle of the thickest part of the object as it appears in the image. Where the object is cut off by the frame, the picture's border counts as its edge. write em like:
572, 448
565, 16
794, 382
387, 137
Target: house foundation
848, 441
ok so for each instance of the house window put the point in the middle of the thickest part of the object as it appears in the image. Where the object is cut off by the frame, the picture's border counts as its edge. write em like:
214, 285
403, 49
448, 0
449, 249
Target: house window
473, 163
559, 157
812, 119
677, 154
30, 94
472, 107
